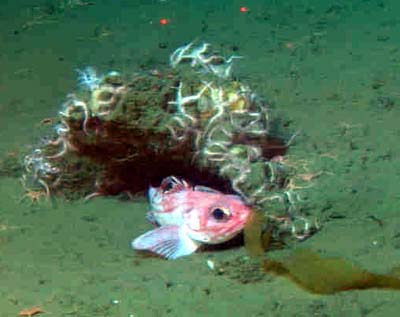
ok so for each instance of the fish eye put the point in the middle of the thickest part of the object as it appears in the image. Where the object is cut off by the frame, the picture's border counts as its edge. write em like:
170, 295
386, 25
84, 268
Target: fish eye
219, 213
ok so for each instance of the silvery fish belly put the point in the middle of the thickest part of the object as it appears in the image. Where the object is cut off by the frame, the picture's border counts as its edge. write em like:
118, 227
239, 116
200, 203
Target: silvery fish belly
188, 217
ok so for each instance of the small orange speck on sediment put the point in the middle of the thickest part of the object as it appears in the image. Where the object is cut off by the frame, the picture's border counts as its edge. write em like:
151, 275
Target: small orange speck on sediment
164, 21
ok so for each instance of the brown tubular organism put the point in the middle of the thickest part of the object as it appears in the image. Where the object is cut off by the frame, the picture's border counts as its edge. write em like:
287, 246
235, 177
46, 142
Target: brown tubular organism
310, 271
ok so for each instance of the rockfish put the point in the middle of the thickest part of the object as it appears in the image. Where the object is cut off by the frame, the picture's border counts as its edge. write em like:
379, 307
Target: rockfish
189, 216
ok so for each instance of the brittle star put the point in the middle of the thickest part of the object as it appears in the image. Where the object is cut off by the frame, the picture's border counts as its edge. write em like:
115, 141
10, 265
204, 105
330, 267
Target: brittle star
179, 54
75, 103
181, 101
62, 139
220, 104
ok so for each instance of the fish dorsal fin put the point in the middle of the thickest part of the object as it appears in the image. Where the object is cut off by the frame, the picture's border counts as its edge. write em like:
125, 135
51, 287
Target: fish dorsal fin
206, 189
170, 242
173, 184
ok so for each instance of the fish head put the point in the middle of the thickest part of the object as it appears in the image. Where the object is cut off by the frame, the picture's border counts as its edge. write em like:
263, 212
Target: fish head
215, 217
188, 217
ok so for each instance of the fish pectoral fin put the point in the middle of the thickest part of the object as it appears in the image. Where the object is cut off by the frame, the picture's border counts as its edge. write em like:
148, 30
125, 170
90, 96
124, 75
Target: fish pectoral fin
151, 218
170, 242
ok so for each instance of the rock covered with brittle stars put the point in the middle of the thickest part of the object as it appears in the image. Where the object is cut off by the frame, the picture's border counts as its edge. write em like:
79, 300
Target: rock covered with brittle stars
118, 134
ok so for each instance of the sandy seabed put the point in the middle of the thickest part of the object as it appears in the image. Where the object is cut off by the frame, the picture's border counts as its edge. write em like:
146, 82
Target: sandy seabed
331, 67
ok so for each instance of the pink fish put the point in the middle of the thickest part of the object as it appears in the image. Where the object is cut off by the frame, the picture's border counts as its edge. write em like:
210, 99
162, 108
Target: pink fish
189, 217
